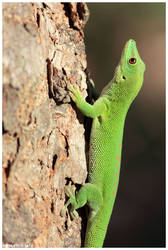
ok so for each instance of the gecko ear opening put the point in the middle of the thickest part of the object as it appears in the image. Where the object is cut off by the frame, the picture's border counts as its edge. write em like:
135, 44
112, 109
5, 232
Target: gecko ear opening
124, 77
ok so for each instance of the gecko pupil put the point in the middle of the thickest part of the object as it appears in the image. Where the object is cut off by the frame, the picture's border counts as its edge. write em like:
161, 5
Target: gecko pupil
132, 60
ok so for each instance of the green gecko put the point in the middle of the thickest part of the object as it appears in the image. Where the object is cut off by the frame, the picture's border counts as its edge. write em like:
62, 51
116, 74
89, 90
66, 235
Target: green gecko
108, 113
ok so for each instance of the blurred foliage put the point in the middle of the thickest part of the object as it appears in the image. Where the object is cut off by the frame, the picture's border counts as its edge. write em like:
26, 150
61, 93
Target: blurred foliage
111, 25
138, 219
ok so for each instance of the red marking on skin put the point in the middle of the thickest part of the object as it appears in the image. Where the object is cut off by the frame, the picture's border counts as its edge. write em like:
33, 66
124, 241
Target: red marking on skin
116, 174
116, 188
118, 150
114, 183
118, 158
113, 192
117, 166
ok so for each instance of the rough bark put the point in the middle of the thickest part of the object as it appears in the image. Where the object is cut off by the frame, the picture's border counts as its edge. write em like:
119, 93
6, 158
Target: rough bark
43, 137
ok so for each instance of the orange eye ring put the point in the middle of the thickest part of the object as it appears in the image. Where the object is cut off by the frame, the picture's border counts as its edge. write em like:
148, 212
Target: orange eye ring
132, 60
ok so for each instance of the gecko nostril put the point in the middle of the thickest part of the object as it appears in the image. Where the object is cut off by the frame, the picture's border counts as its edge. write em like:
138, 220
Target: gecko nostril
124, 77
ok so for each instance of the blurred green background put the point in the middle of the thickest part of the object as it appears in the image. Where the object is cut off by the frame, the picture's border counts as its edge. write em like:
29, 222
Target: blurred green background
138, 218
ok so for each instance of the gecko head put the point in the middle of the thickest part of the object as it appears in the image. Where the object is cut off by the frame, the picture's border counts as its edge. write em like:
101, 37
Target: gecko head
129, 73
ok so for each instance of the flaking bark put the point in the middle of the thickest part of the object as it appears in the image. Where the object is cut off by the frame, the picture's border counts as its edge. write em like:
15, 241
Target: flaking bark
43, 139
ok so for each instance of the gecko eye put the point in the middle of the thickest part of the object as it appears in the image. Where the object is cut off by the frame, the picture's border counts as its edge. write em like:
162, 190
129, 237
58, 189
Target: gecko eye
132, 60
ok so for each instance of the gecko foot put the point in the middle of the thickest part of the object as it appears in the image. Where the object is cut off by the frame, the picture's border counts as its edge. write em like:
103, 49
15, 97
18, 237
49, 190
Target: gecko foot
70, 192
74, 92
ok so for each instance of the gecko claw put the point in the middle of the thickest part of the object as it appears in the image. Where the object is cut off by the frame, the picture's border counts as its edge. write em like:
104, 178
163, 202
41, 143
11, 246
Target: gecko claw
74, 214
74, 92
70, 192
63, 211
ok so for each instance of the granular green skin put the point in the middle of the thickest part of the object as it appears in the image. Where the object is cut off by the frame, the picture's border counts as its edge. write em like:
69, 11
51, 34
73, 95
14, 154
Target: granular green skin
108, 114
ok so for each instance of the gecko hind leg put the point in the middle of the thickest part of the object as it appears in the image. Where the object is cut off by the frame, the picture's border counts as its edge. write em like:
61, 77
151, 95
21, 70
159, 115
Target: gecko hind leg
88, 193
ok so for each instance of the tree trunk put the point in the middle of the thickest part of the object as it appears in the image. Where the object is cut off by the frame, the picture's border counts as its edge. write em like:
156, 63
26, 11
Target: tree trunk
43, 138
